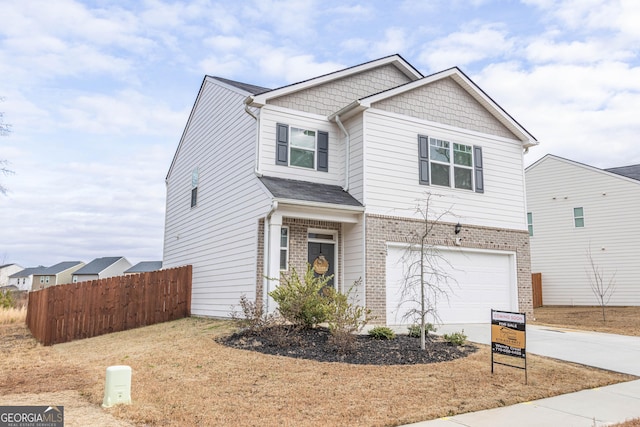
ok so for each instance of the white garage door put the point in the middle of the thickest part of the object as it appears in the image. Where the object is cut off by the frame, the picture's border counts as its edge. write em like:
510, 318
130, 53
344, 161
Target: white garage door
478, 281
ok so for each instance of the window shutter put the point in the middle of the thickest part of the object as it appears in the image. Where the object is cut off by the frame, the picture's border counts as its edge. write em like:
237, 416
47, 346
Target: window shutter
478, 169
323, 151
423, 159
282, 144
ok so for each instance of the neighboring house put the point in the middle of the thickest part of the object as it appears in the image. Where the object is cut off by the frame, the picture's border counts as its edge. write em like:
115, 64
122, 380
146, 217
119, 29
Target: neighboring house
6, 271
23, 279
328, 171
57, 274
144, 266
575, 209
101, 268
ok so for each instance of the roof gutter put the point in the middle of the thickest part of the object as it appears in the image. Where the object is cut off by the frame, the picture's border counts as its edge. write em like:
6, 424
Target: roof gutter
347, 149
247, 102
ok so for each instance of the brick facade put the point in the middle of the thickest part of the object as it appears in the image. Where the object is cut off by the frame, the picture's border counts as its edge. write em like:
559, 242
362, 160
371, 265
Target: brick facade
383, 229
298, 232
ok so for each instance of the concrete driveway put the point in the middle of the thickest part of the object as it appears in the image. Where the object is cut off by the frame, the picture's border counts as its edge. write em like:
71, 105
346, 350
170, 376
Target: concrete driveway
607, 351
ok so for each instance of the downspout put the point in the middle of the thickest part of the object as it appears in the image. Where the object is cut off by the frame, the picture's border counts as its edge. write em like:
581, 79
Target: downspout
256, 168
347, 153
266, 262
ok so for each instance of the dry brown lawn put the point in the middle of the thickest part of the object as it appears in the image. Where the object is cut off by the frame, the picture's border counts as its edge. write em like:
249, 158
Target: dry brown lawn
183, 377
619, 320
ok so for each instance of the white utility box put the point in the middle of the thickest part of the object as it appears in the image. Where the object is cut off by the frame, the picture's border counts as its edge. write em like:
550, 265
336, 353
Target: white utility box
117, 387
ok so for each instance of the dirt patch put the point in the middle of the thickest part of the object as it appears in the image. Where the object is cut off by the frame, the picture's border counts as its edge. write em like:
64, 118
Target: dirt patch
183, 376
619, 320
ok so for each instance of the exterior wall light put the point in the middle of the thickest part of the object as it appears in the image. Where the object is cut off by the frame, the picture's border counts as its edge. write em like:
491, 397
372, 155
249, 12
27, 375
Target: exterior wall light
457, 228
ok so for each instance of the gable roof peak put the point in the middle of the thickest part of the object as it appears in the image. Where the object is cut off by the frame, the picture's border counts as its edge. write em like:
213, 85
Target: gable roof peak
396, 60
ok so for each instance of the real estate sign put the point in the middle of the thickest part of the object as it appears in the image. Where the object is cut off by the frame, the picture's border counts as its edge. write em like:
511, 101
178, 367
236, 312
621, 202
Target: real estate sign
508, 337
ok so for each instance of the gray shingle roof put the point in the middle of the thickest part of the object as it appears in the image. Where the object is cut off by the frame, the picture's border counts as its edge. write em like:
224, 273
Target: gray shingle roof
253, 89
308, 191
60, 267
98, 265
632, 171
29, 271
145, 266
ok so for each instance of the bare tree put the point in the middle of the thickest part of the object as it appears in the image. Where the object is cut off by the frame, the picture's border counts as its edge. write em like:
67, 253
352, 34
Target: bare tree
426, 280
601, 286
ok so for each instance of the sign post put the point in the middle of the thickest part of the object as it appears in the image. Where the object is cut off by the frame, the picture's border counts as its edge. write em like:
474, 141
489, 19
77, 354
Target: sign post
508, 338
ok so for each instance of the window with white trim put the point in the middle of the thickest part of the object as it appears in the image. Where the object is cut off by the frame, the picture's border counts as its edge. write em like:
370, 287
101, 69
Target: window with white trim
578, 217
41, 279
284, 248
530, 223
300, 147
46, 279
450, 164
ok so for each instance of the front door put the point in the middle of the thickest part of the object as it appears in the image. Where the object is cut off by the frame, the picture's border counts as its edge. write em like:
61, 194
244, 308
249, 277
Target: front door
321, 258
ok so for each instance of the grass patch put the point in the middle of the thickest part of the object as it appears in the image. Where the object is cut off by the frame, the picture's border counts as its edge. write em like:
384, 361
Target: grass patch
620, 320
182, 376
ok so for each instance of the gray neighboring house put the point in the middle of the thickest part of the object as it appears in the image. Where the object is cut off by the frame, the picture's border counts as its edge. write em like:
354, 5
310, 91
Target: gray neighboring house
101, 268
144, 267
24, 278
57, 274
7, 270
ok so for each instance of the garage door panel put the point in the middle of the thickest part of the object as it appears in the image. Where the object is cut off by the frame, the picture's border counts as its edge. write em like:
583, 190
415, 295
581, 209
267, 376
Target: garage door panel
479, 282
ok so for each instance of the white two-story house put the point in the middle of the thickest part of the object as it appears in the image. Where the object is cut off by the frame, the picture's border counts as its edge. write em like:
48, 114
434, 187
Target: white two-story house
329, 171
582, 220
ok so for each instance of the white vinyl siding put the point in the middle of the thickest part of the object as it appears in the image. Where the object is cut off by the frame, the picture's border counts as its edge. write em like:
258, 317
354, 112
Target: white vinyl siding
353, 258
220, 237
270, 116
356, 185
392, 182
559, 250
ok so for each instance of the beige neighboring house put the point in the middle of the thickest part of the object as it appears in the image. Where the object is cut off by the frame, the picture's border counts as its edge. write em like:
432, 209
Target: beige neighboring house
101, 268
57, 274
328, 171
6, 271
23, 279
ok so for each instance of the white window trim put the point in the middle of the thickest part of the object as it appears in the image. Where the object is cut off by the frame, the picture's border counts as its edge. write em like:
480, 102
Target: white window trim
530, 223
315, 148
451, 164
286, 249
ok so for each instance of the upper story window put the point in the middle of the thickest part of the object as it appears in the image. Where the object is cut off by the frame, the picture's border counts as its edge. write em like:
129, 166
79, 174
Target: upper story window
305, 148
530, 223
450, 164
195, 178
578, 217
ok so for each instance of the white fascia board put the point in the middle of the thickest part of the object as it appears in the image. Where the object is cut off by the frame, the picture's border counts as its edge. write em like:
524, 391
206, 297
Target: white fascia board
319, 211
261, 99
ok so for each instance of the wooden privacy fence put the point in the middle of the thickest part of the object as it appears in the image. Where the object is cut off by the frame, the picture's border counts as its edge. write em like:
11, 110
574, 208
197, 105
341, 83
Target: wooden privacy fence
536, 284
87, 309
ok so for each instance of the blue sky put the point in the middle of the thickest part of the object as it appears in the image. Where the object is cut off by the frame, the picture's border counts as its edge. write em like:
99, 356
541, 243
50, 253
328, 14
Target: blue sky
98, 92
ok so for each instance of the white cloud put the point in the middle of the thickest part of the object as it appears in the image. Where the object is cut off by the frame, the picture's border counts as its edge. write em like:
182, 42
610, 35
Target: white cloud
576, 112
464, 47
125, 113
545, 51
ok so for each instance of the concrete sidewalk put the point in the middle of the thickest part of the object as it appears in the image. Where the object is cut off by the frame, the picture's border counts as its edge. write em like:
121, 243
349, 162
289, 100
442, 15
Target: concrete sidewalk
597, 407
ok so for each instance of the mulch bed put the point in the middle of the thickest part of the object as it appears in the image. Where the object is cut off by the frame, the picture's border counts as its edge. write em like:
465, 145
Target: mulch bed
314, 344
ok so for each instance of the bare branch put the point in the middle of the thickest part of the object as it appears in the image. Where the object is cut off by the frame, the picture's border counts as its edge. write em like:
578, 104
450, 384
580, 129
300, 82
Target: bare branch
602, 288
